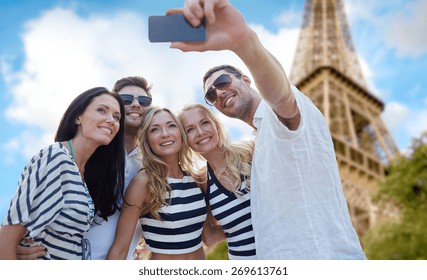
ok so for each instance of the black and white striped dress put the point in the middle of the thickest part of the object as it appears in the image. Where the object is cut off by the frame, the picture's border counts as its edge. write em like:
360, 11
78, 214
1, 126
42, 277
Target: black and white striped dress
53, 204
233, 213
180, 229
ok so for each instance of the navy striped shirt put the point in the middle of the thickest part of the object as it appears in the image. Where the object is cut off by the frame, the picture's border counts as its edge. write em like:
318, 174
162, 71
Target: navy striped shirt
180, 229
233, 213
52, 203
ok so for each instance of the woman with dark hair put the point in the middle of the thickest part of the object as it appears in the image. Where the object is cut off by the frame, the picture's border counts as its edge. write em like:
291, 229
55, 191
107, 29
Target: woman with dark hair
135, 92
64, 184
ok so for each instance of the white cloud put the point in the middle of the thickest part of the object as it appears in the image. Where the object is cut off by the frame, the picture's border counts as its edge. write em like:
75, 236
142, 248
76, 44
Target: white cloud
404, 122
417, 124
395, 115
368, 74
282, 45
400, 24
12, 146
415, 90
357, 10
66, 54
289, 17
407, 29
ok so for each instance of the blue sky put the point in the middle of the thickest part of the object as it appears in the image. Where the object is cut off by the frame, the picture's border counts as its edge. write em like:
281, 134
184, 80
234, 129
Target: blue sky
50, 51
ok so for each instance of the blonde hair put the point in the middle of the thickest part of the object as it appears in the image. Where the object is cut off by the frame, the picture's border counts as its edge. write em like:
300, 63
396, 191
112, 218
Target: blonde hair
157, 169
238, 156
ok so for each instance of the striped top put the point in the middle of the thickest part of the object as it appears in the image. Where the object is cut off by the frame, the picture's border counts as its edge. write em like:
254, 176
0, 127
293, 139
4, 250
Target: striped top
180, 229
233, 214
53, 204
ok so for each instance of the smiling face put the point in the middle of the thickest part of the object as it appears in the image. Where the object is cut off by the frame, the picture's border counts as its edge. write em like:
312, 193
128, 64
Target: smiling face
100, 122
134, 112
235, 101
201, 131
163, 135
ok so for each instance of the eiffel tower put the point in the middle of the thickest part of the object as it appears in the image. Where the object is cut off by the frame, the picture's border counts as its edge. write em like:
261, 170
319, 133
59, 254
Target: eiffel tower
326, 69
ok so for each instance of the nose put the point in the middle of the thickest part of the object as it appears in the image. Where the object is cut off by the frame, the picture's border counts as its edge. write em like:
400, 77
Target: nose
164, 132
110, 118
199, 130
220, 93
135, 102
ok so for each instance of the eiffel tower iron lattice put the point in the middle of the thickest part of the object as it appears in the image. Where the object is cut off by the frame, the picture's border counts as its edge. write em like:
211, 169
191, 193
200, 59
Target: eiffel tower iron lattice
326, 69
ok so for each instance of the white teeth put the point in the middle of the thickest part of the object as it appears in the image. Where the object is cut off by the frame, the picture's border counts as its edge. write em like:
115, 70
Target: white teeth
166, 143
203, 141
228, 101
106, 130
135, 115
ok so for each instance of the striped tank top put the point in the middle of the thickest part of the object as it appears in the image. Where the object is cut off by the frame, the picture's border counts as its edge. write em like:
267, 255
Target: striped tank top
233, 213
180, 229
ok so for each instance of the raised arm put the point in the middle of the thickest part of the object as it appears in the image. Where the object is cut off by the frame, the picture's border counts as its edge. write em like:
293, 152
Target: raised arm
228, 30
133, 207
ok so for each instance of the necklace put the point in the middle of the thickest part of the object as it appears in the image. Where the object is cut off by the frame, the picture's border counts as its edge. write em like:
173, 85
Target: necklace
89, 198
71, 148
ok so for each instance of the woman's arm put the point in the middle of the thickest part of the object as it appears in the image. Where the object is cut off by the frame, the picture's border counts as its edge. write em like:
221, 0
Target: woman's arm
133, 206
30, 253
212, 232
10, 236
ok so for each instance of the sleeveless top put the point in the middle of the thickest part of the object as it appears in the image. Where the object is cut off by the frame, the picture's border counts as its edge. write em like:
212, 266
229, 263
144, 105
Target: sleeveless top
180, 229
233, 213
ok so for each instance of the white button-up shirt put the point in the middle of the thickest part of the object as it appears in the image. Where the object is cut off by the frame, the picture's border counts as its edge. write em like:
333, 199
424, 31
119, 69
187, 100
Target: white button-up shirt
298, 206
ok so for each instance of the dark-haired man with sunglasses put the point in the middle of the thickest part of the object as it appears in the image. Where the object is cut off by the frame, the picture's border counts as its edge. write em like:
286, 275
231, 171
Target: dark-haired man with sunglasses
298, 206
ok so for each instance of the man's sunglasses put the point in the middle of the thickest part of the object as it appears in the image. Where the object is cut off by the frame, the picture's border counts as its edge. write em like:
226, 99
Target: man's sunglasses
144, 101
222, 82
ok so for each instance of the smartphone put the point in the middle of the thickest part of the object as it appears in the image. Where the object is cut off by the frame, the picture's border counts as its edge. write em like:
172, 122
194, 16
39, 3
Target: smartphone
173, 28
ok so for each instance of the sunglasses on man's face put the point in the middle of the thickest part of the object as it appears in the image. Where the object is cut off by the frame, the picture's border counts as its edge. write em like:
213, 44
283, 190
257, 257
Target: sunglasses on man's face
128, 99
222, 82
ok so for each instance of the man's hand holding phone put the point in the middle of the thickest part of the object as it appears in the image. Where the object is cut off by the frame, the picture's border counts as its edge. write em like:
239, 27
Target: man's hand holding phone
174, 28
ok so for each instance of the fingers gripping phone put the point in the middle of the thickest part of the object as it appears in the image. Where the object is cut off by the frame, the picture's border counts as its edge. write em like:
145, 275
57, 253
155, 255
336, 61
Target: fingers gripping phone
174, 28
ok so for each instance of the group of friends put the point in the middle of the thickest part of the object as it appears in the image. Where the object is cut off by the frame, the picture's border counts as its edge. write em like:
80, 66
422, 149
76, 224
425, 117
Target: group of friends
122, 170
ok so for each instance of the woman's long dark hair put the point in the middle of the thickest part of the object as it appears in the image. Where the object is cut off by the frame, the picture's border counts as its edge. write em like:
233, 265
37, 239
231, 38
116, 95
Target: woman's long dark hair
104, 171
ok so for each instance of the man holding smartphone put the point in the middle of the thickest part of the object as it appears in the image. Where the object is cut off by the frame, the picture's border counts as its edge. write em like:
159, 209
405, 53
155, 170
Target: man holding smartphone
298, 206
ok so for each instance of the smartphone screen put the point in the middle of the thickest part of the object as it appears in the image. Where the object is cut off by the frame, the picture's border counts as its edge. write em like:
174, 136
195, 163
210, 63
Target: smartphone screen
174, 28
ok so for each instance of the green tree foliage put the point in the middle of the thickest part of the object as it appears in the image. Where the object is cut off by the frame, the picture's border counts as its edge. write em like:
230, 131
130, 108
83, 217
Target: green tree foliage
406, 186
218, 252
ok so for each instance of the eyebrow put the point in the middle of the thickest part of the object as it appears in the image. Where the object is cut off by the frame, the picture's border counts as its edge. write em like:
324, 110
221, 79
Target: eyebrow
213, 81
156, 124
127, 93
190, 125
108, 107
203, 119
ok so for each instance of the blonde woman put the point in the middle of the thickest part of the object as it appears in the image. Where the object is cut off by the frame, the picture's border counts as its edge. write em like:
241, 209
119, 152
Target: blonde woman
163, 196
228, 171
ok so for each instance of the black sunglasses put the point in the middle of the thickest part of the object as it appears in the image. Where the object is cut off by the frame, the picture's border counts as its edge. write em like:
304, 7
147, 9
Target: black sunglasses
222, 82
144, 101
